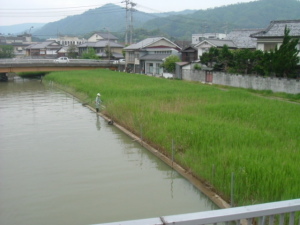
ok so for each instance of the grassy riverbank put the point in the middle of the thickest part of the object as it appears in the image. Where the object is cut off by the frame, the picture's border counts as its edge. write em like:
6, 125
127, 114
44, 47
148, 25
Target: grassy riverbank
216, 131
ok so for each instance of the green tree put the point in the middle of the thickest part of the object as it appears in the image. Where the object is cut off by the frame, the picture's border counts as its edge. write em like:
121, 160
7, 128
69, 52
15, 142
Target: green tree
72, 53
210, 57
285, 58
170, 63
225, 58
6, 51
90, 54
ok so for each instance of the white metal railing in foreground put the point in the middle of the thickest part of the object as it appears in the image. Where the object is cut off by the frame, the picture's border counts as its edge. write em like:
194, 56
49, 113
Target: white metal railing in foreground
283, 212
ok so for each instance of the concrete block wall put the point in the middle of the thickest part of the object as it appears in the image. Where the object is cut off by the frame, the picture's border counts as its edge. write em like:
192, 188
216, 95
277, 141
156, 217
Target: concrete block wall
291, 86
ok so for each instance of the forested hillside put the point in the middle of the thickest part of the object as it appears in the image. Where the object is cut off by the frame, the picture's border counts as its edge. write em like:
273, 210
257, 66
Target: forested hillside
256, 14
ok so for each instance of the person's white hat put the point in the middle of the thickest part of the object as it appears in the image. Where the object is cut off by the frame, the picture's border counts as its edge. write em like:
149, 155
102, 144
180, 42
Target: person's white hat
98, 94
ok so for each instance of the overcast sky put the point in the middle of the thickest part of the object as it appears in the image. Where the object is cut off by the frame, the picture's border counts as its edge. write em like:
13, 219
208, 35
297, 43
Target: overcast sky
44, 11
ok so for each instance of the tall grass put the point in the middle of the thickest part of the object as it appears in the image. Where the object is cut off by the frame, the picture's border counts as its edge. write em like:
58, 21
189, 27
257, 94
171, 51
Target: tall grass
216, 132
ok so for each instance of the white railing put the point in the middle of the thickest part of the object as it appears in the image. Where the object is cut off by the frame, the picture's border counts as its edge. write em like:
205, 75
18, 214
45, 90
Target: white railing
284, 212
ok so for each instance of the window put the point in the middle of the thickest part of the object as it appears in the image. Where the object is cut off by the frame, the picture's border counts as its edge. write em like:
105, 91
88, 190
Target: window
131, 56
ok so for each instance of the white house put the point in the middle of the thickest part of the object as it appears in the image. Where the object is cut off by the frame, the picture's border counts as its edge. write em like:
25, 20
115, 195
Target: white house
272, 36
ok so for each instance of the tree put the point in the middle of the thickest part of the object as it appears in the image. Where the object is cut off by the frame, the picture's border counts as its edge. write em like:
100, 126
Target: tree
72, 53
285, 58
6, 51
90, 54
210, 57
170, 63
225, 57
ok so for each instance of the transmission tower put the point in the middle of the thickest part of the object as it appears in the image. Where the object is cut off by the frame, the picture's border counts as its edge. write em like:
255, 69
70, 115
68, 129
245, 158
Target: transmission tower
129, 7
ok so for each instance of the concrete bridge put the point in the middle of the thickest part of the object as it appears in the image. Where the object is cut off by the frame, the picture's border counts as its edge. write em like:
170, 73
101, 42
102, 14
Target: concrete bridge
31, 65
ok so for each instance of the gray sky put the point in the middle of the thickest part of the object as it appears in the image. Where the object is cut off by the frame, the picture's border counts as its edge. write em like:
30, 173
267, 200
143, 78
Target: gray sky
44, 11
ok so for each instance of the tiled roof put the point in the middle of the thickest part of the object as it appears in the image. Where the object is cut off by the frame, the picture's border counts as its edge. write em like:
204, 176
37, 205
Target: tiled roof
242, 39
43, 45
107, 36
276, 29
218, 43
101, 44
146, 42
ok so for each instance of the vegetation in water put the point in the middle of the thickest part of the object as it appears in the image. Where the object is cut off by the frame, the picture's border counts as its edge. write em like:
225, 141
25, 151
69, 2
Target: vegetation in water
216, 131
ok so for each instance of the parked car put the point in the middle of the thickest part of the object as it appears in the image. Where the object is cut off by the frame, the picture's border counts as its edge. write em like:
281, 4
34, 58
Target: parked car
120, 61
62, 60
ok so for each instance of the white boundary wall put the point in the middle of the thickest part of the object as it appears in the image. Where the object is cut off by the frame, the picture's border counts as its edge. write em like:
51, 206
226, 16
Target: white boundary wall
291, 86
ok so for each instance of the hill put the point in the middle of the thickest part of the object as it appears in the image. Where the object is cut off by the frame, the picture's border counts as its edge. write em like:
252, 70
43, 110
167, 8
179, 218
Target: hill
20, 28
179, 25
108, 16
257, 14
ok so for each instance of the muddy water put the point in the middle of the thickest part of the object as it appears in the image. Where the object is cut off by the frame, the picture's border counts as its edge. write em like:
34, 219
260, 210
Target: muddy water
62, 164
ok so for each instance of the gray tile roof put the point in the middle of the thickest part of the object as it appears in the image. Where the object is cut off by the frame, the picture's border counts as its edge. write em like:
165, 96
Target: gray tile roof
218, 43
45, 44
241, 38
146, 42
107, 36
276, 29
102, 44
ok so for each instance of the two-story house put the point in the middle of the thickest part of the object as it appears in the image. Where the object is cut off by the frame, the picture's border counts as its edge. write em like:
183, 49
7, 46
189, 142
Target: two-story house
273, 35
148, 55
47, 49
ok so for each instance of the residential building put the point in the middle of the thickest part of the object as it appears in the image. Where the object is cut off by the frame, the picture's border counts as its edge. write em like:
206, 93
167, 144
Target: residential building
19, 43
189, 54
102, 47
205, 45
197, 38
47, 49
242, 39
98, 36
68, 40
148, 55
273, 35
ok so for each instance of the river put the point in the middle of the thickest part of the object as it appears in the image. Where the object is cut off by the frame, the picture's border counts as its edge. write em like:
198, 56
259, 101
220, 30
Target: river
62, 164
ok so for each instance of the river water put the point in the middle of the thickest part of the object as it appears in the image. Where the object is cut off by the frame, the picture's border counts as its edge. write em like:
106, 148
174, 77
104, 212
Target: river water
62, 164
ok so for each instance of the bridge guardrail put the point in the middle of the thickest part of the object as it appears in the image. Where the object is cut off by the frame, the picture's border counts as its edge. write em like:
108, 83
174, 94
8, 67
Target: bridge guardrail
268, 213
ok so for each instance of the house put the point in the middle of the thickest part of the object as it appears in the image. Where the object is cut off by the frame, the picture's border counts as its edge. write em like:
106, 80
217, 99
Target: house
197, 38
68, 40
148, 55
47, 49
189, 54
98, 36
102, 47
272, 36
206, 44
19, 43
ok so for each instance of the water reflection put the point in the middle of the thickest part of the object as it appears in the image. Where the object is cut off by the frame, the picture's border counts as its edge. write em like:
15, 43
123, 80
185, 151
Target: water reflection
98, 124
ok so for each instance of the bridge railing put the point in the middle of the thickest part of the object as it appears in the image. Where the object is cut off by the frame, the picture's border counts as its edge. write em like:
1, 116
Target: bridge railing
50, 61
284, 212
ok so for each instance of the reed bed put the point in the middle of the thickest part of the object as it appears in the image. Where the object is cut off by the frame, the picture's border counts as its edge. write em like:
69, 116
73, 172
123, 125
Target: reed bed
215, 131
